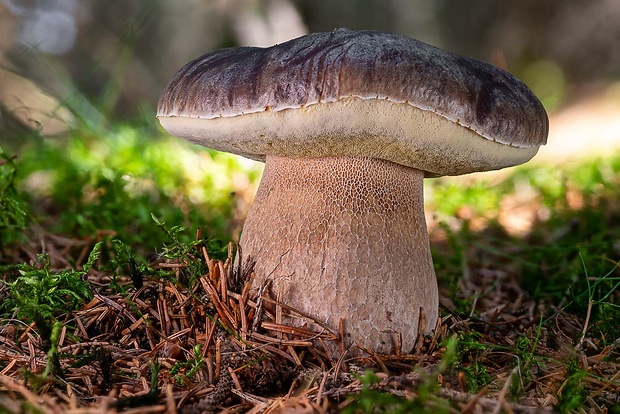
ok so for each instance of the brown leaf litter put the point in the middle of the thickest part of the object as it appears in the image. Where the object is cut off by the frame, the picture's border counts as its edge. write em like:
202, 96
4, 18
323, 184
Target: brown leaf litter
217, 349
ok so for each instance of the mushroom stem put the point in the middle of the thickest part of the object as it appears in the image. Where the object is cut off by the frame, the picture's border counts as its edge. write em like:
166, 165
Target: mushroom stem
345, 237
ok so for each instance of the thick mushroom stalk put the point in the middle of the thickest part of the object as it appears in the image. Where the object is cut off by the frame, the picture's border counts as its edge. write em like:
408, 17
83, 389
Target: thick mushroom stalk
345, 238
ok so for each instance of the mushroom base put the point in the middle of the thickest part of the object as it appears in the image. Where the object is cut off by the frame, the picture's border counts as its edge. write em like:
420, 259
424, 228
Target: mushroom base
345, 238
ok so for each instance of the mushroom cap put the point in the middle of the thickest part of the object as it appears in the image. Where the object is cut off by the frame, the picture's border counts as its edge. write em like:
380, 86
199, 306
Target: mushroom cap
356, 93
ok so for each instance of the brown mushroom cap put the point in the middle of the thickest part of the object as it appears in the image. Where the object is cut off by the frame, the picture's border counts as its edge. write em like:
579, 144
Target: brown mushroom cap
356, 93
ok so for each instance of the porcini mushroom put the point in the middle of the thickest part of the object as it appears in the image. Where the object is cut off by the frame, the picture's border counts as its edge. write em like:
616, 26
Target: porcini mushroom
348, 124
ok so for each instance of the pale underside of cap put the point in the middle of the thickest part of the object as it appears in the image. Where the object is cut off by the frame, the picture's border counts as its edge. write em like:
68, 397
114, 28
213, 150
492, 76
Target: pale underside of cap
356, 93
354, 127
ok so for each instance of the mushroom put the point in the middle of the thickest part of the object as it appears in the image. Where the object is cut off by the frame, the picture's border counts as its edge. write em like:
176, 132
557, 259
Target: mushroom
348, 124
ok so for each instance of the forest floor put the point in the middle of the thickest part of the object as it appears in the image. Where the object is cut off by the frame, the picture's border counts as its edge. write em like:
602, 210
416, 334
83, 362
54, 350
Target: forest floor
95, 320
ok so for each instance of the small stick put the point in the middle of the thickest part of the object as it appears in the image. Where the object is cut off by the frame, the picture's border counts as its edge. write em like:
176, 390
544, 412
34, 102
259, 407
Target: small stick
244, 319
339, 364
63, 332
381, 364
268, 348
223, 282
501, 397
328, 352
235, 379
291, 351
33, 362
319, 394
585, 325
341, 336
162, 309
276, 341
170, 404
223, 311
9, 367
210, 372
471, 404
228, 265
218, 359
436, 335
260, 403
279, 312
26, 332
473, 305
422, 320
421, 328
210, 329
259, 305
132, 327
295, 331
300, 313
211, 269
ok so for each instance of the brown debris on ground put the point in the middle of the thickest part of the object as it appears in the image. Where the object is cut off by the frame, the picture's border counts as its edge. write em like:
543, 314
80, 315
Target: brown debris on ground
215, 348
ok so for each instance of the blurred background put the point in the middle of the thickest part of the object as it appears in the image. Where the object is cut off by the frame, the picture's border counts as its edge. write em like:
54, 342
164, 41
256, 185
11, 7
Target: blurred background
93, 70
109, 59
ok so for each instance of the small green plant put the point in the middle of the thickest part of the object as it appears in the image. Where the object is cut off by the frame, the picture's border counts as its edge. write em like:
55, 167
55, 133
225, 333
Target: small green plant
422, 399
572, 393
12, 210
41, 294
371, 400
469, 342
477, 376
607, 323
469, 355
123, 260
599, 310
525, 350
182, 371
187, 252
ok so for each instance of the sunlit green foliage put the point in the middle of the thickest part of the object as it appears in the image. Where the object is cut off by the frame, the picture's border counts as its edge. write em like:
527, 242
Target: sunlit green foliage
569, 256
111, 184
